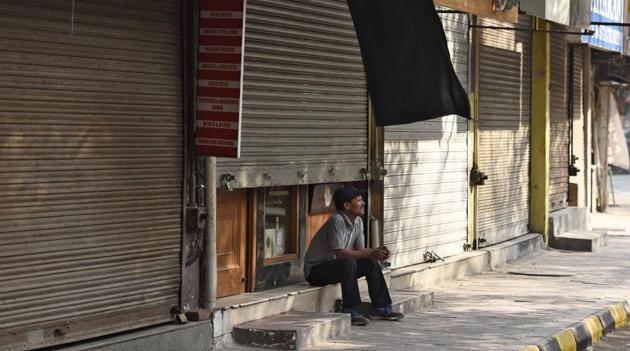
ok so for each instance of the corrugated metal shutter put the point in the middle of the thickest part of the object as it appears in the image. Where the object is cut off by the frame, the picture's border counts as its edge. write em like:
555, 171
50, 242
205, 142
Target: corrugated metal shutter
559, 129
305, 104
578, 139
90, 168
504, 131
426, 188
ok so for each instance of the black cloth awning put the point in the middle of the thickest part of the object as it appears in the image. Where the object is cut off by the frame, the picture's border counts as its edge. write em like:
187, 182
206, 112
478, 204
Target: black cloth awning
408, 66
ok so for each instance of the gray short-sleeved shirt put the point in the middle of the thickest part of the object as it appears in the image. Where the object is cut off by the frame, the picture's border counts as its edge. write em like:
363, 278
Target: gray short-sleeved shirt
337, 233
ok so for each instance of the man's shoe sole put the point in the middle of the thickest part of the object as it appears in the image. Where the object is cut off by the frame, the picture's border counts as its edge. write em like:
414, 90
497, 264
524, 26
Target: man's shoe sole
361, 324
360, 321
381, 318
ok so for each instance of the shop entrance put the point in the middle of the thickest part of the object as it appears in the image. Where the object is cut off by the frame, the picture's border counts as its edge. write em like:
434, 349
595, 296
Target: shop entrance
231, 242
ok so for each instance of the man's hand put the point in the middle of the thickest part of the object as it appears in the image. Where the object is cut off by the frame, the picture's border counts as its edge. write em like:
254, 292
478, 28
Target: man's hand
380, 253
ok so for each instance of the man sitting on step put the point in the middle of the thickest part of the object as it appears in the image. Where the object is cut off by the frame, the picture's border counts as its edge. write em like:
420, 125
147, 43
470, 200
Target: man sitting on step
337, 254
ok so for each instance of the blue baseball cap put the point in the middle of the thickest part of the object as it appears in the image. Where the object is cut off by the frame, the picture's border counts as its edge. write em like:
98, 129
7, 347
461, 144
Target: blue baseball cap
345, 194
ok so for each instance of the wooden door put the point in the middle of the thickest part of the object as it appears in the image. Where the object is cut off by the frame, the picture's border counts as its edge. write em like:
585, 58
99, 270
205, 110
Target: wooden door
231, 242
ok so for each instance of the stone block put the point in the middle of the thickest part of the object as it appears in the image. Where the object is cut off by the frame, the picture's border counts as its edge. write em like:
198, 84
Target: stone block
587, 241
291, 330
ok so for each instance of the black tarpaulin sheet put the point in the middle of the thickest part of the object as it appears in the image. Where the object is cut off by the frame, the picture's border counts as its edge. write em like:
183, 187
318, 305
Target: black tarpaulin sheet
408, 66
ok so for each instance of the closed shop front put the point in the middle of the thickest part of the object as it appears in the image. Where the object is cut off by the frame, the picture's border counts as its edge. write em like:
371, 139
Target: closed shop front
90, 168
305, 101
577, 124
426, 188
559, 127
504, 131
304, 122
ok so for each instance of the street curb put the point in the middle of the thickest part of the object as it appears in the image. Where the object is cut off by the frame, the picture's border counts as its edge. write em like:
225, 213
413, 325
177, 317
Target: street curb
588, 331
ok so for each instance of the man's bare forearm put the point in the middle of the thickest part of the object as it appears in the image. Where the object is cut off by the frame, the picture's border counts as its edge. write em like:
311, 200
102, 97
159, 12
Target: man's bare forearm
356, 254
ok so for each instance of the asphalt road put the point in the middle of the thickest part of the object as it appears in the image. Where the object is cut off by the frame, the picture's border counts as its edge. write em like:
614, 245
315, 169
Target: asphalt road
617, 341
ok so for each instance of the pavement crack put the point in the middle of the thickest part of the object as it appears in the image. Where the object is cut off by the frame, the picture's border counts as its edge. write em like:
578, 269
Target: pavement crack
551, 275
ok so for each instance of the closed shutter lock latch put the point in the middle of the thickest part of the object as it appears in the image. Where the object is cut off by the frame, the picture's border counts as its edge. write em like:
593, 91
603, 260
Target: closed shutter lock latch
573, 171
477, 177
366, 173
226, 181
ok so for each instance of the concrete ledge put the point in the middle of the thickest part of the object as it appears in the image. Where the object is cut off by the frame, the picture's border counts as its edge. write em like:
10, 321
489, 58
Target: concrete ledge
292, 330
426, 275
301, 297
190, 337
574, 240
572, 218
582, 335
408, 301
515, 249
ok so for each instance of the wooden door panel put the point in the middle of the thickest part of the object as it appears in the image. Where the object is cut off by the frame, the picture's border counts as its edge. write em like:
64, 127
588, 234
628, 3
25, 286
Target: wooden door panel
231, 242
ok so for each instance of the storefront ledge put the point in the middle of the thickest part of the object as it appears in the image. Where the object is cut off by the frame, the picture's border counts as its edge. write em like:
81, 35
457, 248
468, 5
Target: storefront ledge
191, 336
302, 297
571, 218
514, 249
425, 275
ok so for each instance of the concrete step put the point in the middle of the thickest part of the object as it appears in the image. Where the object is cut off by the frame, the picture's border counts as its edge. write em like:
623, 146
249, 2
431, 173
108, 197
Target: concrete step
404, 301
572, 218
302, 297
579, 240
515, 249
291, 330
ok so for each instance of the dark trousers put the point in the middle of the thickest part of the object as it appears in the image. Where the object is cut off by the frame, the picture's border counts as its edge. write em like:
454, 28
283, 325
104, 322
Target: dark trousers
346, 271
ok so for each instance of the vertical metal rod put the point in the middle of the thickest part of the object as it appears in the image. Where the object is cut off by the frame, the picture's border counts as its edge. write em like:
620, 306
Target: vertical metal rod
473, 87
612, 188
375, 236
571, 99
209, 268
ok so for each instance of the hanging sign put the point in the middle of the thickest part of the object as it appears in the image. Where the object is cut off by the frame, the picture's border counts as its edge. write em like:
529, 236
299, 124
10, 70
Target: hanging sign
607, 37
220, 78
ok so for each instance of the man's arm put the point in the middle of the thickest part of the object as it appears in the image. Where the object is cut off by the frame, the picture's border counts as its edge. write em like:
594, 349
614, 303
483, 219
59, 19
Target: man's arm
358, 250
379, 253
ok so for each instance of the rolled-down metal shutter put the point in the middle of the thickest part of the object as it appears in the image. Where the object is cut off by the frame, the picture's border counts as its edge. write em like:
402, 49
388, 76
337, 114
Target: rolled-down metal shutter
578, 147
504, 131
559, 127
90, 168
305, 102
426, 188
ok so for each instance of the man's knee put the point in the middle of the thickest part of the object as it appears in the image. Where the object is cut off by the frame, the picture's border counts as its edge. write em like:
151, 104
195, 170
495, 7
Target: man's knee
348, 264
370, 262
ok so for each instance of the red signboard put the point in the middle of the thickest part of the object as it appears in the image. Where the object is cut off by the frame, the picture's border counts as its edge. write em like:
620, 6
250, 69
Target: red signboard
219, 78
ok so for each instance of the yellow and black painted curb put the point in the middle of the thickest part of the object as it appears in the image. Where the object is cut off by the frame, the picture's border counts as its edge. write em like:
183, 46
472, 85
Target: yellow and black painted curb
585, 333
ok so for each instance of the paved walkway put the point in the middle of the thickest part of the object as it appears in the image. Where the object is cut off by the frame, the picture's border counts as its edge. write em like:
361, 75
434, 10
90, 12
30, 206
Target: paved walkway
512, 307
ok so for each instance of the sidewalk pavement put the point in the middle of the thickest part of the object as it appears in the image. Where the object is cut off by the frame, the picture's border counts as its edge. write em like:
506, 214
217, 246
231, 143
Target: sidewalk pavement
512, 307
